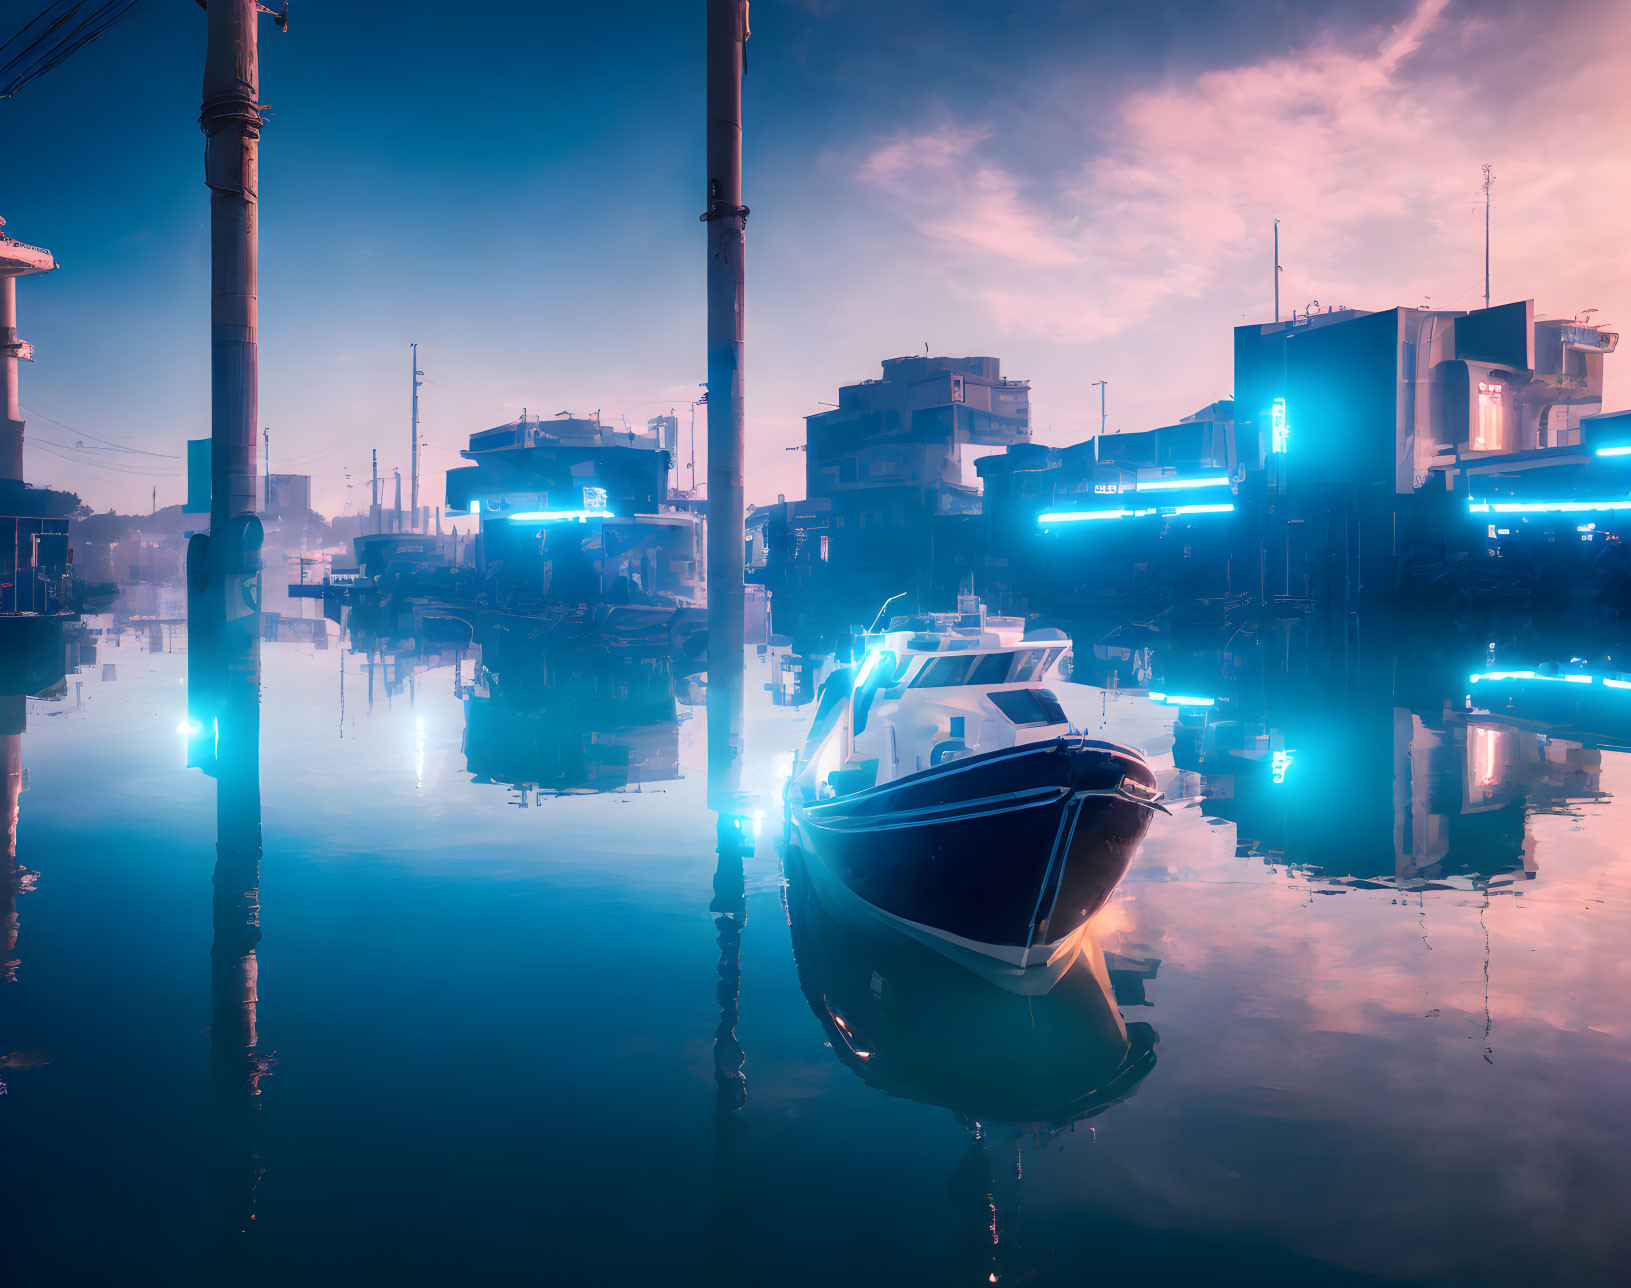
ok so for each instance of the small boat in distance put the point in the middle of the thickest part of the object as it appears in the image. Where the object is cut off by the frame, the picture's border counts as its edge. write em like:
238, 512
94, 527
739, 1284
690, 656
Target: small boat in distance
943, 788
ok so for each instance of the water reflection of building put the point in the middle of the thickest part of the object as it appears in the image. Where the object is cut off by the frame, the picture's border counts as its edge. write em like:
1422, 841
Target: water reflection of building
36, 655
569, 722
1346, 770
540, 716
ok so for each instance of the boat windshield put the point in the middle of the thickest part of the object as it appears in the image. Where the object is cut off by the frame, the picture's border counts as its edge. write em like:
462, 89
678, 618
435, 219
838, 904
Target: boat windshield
1018, 666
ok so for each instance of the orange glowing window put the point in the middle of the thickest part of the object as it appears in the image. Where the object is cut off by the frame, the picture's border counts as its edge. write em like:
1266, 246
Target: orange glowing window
1489, 429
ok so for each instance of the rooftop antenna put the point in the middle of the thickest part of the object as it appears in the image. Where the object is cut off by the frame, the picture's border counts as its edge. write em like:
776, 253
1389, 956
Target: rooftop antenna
1489, 178
413, 495
1277, 270
1103, 418
881, 610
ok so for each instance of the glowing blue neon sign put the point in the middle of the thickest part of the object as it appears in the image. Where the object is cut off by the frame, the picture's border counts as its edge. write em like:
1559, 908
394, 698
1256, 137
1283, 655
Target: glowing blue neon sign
1084, 516
1277, 423
1182, 700
1614, 451
551, 516
1546, 507
1479, 677
1165, 484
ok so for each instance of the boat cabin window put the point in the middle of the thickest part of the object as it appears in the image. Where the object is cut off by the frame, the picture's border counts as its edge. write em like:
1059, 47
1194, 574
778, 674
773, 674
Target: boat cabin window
942, 672
1029, 706
1018, 667
1025, 665
991, 669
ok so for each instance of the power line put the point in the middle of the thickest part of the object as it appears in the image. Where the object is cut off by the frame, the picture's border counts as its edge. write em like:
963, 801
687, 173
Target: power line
117, 447
51, 450
56, 39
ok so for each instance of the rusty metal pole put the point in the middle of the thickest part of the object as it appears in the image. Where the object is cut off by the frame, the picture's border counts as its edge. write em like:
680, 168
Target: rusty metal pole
231, 122
726, 218
223, 570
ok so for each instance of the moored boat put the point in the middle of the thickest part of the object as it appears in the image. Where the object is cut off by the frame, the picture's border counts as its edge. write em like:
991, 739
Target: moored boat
942, 786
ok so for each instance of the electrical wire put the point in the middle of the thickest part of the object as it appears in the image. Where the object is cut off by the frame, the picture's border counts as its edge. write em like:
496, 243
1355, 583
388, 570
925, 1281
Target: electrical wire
53, 43
111, 445
51, 450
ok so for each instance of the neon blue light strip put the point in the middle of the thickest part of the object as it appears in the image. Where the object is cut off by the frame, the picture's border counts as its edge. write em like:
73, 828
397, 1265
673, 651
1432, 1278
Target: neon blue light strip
1082, 516
1569, 678
1165, 485
1545, 507
547, 516
1182, 700
1614, 451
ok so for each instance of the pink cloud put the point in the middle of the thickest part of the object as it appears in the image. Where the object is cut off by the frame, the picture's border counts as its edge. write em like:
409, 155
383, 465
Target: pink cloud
1369, 155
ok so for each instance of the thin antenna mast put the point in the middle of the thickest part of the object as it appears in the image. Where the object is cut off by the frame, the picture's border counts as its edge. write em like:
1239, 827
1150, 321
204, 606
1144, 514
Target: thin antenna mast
1489, 178
1277, 270
413, 498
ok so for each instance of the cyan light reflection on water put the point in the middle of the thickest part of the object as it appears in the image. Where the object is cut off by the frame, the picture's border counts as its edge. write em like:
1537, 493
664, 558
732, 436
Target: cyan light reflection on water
500, 1008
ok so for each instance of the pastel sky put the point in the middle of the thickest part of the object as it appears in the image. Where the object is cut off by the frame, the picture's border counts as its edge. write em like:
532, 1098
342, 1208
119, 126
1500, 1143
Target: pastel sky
1084, 189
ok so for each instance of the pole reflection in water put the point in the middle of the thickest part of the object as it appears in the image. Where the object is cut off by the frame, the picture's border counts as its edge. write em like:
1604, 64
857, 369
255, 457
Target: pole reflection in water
223, 725
237, 1059
735, 835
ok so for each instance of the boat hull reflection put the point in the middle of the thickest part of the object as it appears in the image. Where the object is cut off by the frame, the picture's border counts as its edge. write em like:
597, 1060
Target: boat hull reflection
915, 1024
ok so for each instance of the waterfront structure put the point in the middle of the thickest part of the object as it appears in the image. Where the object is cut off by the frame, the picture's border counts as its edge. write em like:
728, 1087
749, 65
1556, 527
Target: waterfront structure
33, 521
17, 259
891, 484
1369, 425
573, 510
1346, 470
288, 493
1099, 522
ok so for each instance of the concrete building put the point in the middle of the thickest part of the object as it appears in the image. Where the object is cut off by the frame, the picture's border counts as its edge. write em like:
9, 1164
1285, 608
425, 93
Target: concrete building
1102, 523
1352, 466
1350, 413
890, 479
570, 510
287, 493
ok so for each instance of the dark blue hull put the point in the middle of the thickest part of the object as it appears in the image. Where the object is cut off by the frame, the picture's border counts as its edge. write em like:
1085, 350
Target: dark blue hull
1008, 852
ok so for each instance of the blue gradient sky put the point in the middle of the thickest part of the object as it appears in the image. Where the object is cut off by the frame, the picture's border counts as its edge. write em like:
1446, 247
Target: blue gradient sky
1083, 189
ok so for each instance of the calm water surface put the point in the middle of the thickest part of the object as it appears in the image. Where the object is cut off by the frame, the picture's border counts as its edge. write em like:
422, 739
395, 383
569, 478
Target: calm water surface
1367, 1022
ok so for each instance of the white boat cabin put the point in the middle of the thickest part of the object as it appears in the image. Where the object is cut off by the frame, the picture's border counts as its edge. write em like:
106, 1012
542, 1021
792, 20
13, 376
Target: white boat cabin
929, 690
